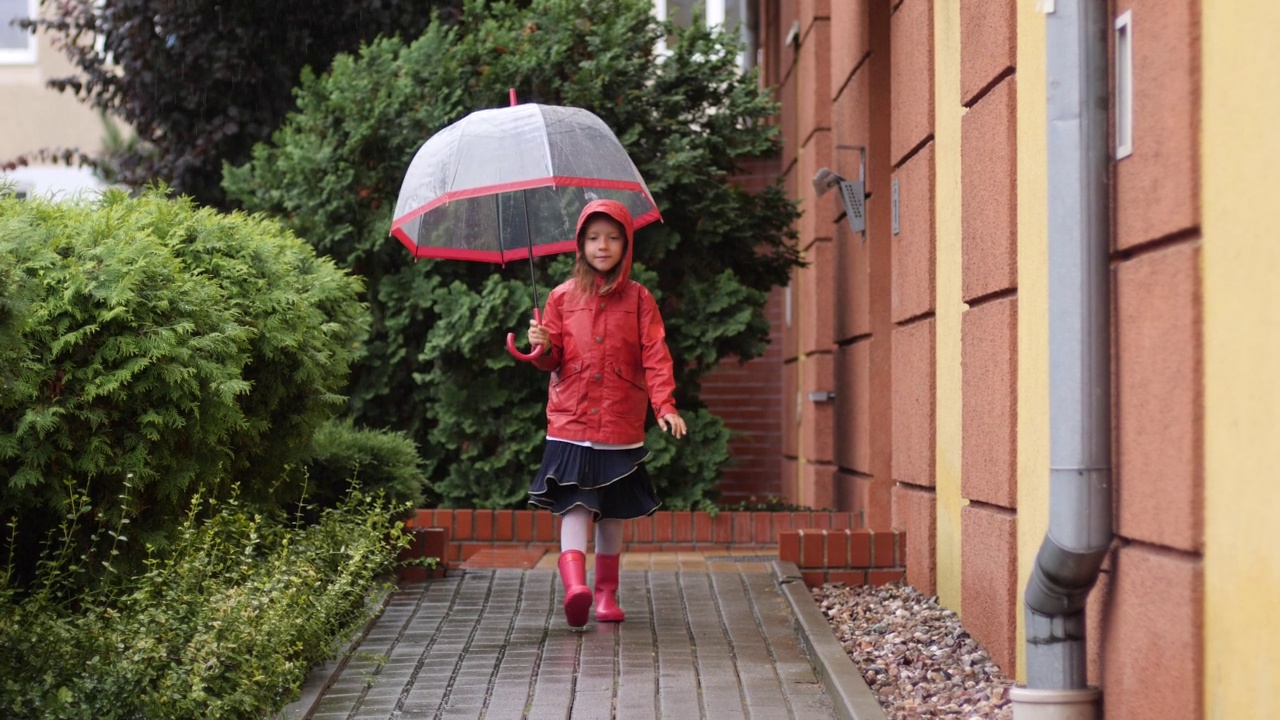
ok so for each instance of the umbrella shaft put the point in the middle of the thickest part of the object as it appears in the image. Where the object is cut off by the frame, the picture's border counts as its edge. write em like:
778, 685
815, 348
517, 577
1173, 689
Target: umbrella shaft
528, 234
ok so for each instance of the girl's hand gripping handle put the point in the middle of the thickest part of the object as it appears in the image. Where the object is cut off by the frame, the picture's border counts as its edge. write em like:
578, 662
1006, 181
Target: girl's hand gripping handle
537, 348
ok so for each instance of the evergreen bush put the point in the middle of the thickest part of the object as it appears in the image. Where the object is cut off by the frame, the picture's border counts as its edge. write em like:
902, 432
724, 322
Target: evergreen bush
433, 364
146, 338
342, 456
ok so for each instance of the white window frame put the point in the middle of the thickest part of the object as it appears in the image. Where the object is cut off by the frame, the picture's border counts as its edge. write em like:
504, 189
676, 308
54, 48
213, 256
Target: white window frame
1124, 85
10, 56
715, 12
100, 40
660, 12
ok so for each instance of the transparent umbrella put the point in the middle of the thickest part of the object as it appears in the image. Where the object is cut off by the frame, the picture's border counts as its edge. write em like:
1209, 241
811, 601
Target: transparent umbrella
508, 184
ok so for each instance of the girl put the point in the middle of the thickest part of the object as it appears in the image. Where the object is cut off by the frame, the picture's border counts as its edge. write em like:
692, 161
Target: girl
604, 343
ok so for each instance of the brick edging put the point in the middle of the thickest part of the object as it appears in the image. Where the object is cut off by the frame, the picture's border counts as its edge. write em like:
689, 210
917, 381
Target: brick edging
424, 542
853, 557
469, 531
823, 545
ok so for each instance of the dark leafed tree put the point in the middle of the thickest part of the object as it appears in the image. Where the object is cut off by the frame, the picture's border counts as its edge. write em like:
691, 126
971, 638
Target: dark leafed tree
200, 82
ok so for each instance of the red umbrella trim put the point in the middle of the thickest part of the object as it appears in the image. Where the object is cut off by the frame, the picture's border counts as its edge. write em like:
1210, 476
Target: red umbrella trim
554, 181
493, 256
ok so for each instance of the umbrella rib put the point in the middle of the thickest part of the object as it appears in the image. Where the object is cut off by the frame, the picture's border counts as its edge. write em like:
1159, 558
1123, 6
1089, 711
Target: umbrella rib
453, 177
546, 144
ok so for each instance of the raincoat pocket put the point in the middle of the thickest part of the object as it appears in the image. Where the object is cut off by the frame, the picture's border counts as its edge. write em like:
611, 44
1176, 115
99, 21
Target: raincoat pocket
567, 391
632, 395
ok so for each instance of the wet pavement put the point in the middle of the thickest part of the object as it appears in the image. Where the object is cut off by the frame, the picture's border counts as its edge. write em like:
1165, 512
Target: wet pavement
705, 637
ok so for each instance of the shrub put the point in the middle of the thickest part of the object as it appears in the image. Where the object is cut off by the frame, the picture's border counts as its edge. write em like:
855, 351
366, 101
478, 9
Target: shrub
147, 338
226, 624
343, 456
433, 364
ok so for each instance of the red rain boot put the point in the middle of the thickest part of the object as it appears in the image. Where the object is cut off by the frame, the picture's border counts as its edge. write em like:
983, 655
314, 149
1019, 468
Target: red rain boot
607, 609
577, 596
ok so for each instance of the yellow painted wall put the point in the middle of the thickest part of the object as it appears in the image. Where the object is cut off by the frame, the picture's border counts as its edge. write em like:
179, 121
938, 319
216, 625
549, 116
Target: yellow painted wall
36, 116
1241, 270
1033, 304
950, 305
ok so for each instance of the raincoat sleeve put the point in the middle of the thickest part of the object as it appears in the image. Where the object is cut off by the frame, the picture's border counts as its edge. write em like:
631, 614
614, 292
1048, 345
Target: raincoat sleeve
658, 369
552, 320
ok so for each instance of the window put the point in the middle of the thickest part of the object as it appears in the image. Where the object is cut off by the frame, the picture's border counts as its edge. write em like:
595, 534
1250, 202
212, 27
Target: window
730, 15
17, 46
735, 16
682, 10
1124, 85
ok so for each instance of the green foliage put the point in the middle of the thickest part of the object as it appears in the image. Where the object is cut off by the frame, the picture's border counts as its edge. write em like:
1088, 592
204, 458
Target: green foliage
198, 82
433, 364
342, 456
491, 424
685, 471
148, 339
226, 624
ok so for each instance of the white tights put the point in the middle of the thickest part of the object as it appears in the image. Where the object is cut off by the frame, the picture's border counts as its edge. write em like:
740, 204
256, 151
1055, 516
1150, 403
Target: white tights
573, 532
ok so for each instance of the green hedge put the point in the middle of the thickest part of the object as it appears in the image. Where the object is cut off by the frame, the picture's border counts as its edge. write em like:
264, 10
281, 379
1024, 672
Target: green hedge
147, 339
343, 456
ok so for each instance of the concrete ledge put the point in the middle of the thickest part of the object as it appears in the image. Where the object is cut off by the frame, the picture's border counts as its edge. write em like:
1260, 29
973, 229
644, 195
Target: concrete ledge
842, 681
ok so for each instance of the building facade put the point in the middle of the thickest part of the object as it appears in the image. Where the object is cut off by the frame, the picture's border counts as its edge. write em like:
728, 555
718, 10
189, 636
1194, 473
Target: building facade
34, 117
915, 352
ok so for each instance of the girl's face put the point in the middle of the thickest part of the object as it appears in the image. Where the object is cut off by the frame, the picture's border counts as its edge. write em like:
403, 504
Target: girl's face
603, 243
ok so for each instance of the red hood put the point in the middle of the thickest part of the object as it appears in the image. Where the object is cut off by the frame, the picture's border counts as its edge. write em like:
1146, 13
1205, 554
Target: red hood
619, 212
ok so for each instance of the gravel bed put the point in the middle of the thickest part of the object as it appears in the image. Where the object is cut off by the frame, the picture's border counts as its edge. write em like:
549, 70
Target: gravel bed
914, 654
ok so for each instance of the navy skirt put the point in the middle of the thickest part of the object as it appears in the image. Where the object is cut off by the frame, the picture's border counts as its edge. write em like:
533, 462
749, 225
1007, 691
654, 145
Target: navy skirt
612, 484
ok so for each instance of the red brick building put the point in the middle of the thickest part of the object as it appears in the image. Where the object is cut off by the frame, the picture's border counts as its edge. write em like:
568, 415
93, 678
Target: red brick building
931, 326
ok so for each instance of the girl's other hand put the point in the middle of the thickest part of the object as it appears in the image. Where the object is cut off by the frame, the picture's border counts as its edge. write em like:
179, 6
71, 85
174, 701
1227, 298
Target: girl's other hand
539, 335
673, 423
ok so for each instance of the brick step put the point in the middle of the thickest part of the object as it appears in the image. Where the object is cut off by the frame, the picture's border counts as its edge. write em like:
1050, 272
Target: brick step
823, 545
852, 557
470, 531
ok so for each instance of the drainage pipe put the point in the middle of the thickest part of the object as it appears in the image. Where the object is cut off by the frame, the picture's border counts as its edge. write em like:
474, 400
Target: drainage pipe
1079, 361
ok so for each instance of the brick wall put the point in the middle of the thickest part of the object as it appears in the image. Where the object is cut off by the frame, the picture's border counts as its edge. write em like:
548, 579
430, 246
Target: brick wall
748, 396
990, 600
1157, 376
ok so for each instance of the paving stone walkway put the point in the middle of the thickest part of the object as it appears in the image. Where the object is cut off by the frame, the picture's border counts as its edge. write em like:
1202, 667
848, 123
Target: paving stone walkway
717, 641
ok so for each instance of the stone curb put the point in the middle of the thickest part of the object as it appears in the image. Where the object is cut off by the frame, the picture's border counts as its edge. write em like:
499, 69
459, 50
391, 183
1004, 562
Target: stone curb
322, 676
849, 692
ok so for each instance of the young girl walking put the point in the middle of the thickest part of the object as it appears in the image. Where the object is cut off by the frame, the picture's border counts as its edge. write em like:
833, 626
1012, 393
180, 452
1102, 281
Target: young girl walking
605, 346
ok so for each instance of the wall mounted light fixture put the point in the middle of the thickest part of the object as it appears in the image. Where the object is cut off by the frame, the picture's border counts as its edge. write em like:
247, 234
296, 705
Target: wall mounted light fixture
853, 194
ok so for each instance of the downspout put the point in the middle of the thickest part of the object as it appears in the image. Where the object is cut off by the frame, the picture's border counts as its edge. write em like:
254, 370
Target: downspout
1079, 367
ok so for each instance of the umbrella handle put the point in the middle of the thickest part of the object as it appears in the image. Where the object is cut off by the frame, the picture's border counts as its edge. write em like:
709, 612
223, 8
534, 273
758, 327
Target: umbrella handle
511, 343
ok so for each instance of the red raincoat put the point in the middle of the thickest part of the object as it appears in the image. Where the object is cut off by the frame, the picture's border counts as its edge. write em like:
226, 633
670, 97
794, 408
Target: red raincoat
608, 357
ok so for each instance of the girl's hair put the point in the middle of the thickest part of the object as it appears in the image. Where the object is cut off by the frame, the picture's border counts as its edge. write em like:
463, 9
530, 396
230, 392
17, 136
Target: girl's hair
584, 276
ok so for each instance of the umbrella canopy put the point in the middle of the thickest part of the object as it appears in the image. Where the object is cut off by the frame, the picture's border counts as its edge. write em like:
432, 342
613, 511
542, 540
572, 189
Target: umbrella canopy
508, 183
